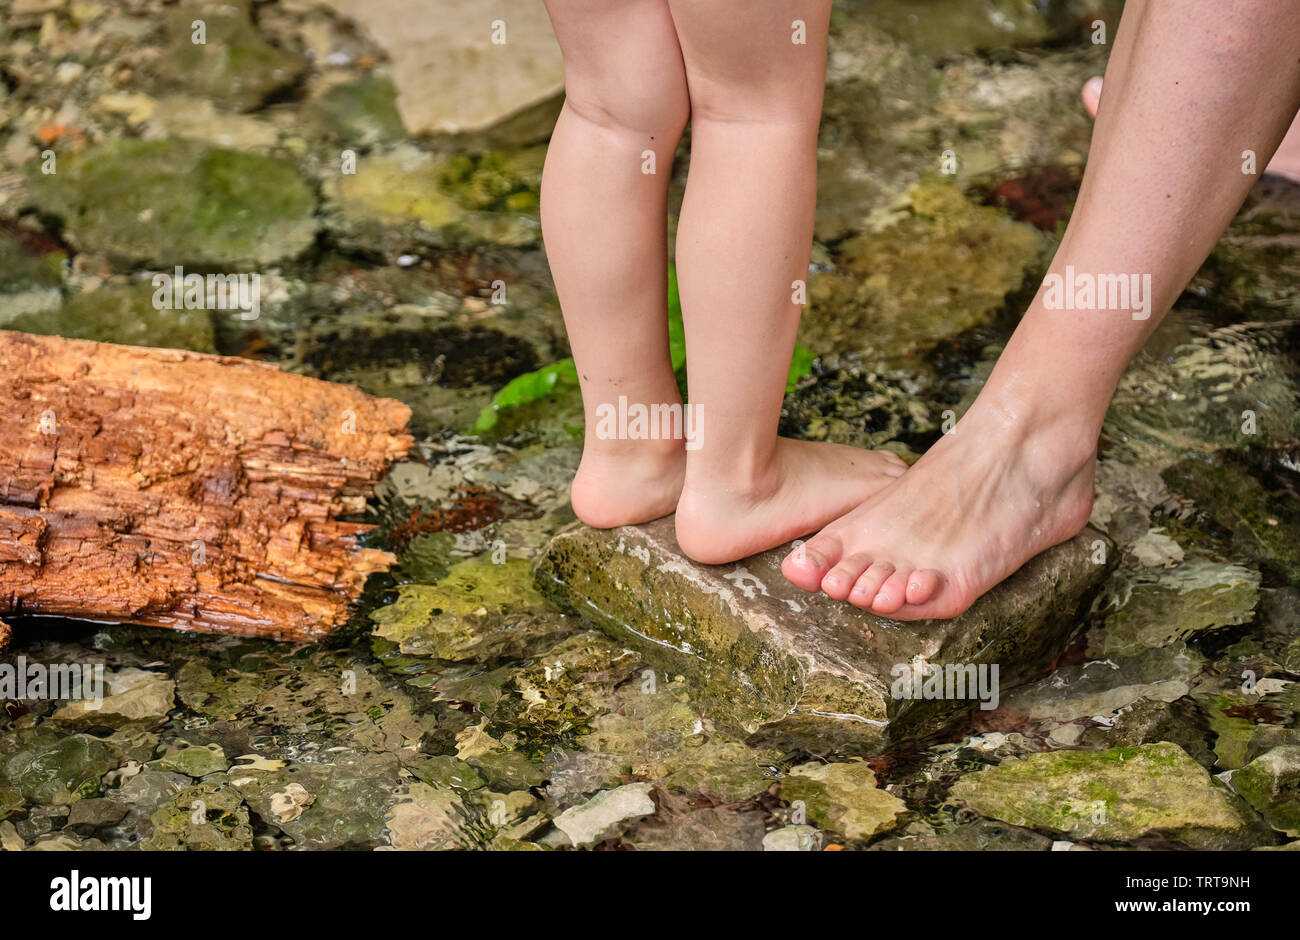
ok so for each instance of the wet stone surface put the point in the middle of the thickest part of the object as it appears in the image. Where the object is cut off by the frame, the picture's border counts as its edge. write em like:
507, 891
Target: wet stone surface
388, 198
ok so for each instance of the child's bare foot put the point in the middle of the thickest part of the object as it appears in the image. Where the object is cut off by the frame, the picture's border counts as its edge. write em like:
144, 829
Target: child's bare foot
980, 503
1286, 159
630, 484
725, 517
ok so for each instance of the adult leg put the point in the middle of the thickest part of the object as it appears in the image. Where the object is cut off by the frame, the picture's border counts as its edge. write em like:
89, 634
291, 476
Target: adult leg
1164, 179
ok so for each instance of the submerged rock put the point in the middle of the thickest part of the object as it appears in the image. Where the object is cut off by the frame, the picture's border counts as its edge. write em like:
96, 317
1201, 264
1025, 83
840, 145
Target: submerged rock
1157, 609
843, 797
427, 819
480, 609
593, 820
939, 266
194, 761
209, 816
133, 695
1250, 494
171, 202
1155, 791
792, 839
1271, 784
764, 653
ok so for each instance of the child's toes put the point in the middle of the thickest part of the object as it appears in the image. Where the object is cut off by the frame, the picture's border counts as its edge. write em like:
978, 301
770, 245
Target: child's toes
864, 591
922, 585
839, 580
806, 566
892, 594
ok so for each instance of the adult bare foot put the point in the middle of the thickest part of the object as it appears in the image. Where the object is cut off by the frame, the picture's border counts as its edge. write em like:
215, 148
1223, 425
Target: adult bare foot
1286, 159
629, 483
1003, 486
803, 486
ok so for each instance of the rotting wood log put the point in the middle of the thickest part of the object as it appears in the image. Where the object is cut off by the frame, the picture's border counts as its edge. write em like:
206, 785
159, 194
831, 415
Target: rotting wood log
184, 490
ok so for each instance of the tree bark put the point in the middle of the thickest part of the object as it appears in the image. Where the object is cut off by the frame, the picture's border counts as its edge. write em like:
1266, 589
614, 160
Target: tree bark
183, 490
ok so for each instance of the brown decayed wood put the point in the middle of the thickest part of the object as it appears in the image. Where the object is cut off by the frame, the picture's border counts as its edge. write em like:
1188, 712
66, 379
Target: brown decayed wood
178, 489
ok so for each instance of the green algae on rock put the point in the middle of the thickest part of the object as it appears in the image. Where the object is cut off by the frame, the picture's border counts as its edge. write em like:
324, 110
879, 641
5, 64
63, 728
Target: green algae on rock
124, 314
937, 267
1155, 791
405, 198
763, 652
480, 608
362, 113
171, 202
1271, 784
229, 61
208, 816
1156, 609
1250, 494
194, 761
843, 797
29, 283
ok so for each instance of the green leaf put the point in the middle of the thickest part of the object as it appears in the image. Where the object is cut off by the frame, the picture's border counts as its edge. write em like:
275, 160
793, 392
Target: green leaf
800, 365
534, 386
526, 388
676, 331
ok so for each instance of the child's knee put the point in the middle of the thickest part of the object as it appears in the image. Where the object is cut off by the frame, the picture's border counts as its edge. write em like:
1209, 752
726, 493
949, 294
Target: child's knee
652, 106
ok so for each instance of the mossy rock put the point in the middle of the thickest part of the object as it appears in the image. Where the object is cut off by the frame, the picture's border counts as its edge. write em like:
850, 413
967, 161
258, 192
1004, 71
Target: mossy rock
1252, 495
194, 761
123, 314
940, 267
162, 203
1155, 791
210, 816
405, 198
361, 114
1271, 784
56, 769
843, 797
471, 609
1158, 608
234, 65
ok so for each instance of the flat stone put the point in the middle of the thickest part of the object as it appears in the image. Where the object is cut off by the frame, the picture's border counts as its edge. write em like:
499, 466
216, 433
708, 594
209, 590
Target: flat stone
1271, 784
792, 839
589, 822
843, 797
133, 695
770, 658
1154, 791
451, 76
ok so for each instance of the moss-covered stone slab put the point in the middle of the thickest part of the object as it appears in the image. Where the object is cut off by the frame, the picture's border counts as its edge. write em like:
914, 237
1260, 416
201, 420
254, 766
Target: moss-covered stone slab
935, 266
843, 797
1271, 784
1155, 791
225, 58
161, 203
770, 658
1156, 609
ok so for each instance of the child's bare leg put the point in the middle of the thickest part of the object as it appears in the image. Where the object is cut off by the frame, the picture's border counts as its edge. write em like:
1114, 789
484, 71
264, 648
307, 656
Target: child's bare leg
604, 219
743, 239
1164, 178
